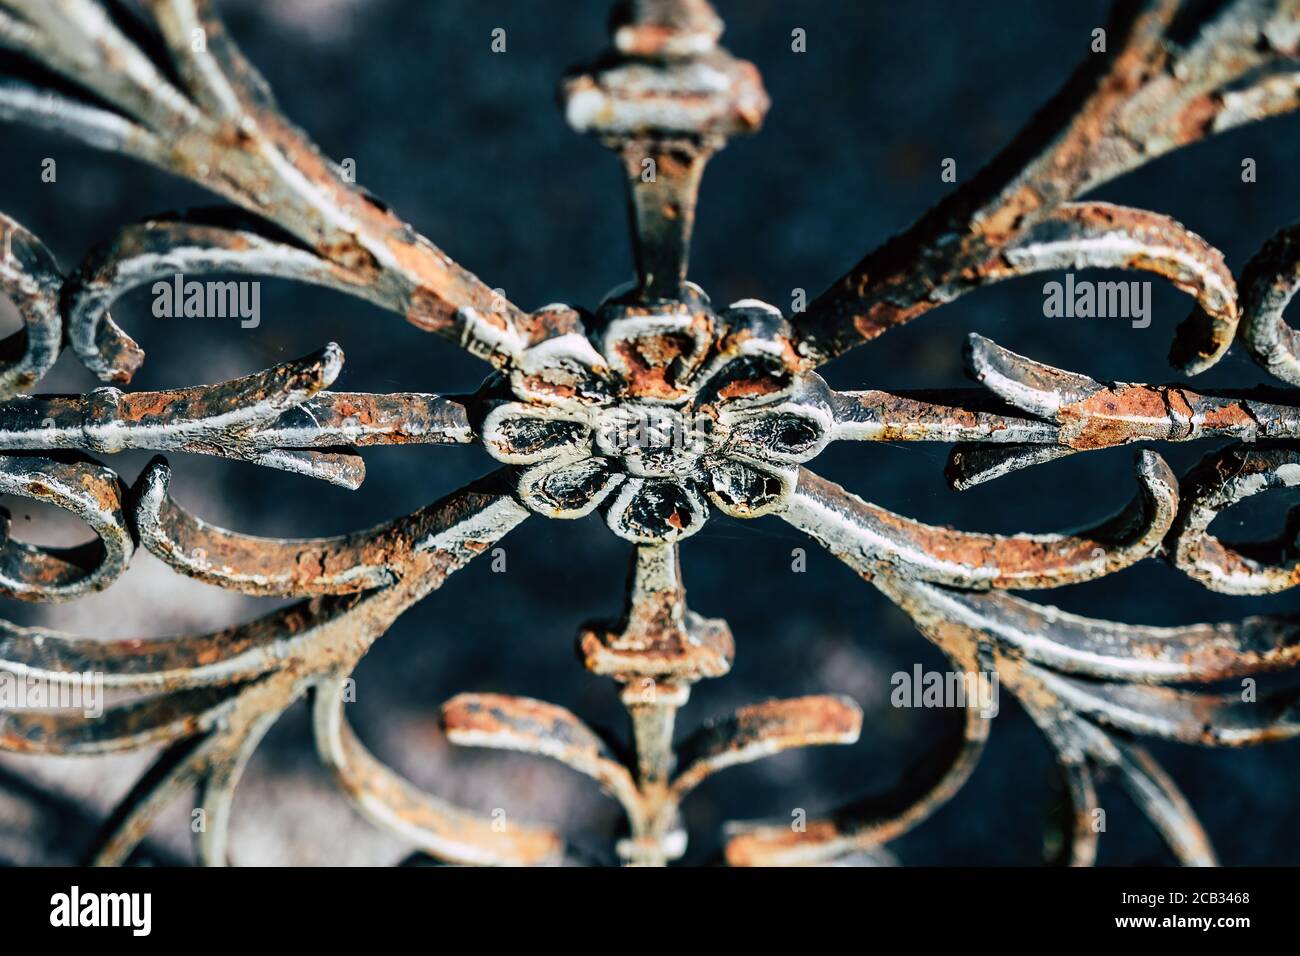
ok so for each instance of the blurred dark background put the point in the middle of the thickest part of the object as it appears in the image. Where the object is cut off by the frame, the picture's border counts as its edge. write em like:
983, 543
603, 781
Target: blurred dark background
470, 147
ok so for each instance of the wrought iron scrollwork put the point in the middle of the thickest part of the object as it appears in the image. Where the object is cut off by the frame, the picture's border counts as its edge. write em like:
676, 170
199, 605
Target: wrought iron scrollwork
657, 410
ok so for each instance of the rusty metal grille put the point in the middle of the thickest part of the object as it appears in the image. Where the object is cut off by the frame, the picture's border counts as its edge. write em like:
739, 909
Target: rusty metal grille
656, 410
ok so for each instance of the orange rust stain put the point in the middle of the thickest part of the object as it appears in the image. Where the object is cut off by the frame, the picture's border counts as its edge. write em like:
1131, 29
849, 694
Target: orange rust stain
1229, 416
645, 39
882, 316
645, 379
674, 163
429, 311
1002, 225
1113, 417
1196, 120
1014, 557
749, 388
765, 847
143, 405
547, 324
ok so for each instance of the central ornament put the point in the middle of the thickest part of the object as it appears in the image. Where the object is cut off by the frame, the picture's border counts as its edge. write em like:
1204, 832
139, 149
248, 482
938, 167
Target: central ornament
655, 442
665, 411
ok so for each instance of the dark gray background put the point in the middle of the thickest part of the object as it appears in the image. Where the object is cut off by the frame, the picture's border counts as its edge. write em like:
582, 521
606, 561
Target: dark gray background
470, 147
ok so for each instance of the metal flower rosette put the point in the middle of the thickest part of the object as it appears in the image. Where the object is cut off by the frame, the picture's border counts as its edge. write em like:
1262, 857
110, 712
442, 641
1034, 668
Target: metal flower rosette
657, 410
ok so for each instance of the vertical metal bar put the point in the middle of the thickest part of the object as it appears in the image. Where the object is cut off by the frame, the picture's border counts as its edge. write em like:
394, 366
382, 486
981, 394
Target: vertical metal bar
663, 179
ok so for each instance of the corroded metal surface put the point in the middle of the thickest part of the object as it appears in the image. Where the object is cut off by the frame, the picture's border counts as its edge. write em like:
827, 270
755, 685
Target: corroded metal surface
658, 410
